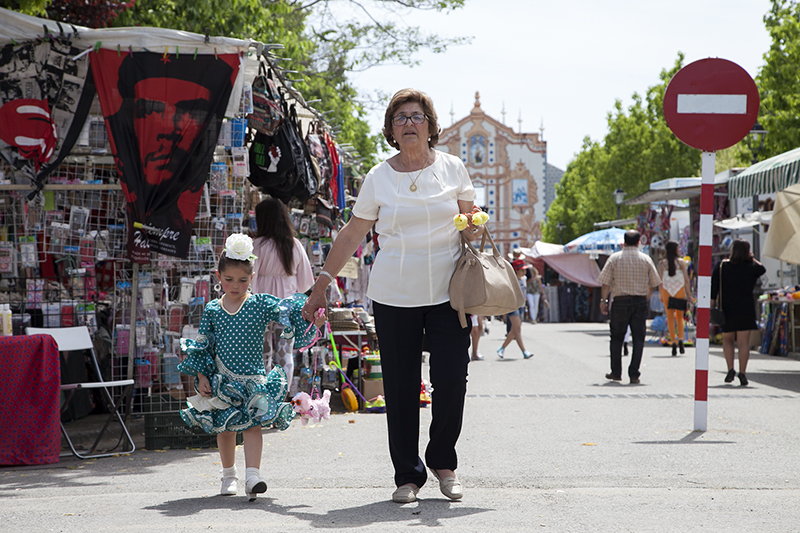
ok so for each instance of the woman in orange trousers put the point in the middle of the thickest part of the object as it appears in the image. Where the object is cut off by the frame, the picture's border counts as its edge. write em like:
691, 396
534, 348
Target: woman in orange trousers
674, 284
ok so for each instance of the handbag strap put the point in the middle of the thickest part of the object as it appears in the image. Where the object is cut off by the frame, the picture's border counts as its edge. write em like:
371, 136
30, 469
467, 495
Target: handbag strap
467, 245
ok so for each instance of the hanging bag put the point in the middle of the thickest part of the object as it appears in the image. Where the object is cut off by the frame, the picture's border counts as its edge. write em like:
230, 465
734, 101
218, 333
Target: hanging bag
716, 315
268, 114
483, 283
306, 184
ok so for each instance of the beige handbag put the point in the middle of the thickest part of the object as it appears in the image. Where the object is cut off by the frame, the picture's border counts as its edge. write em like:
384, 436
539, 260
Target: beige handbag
483, 284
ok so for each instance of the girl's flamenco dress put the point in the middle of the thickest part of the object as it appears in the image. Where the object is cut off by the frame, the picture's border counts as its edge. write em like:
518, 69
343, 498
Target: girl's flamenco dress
228, 351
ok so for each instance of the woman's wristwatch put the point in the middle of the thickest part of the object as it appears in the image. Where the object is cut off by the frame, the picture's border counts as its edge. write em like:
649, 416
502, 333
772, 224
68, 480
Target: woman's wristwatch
604, 300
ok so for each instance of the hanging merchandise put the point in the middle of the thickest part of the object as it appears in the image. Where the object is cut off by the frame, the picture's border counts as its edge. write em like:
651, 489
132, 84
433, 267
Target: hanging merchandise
44, 100
280, 165
268, 113
319, 152
308, 181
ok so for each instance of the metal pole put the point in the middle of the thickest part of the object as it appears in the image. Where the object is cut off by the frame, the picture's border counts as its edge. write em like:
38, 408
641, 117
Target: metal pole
704, 291
132, 335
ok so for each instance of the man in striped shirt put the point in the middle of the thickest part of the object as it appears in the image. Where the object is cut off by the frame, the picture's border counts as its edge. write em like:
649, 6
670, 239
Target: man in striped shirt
629, 278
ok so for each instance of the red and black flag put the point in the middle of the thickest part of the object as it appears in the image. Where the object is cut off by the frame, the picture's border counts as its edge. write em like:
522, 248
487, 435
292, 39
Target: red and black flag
163, 114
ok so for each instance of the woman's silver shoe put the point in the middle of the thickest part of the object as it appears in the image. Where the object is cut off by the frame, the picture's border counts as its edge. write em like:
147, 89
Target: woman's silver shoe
450, 486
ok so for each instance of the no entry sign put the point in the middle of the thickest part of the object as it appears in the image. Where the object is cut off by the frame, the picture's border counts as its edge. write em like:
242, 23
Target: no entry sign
711, 104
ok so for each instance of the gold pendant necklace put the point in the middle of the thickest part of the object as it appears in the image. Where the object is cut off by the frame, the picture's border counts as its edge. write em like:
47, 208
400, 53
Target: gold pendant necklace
413, 186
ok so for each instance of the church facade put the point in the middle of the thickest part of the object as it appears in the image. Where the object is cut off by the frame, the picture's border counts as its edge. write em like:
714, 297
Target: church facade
509, 172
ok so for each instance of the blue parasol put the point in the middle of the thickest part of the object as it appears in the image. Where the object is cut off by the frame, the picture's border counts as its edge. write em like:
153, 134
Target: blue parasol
605, 241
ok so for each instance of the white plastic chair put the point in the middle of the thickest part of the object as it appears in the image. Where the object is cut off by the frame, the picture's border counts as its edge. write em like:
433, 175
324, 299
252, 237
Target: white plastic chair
78, 338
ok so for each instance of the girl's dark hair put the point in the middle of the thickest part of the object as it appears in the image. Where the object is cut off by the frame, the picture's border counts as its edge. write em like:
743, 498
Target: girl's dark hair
740, 253
226, 262
273, 222
672, 255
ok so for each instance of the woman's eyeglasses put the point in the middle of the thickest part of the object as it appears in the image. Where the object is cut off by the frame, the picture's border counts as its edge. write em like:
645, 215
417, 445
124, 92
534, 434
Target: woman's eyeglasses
400, 120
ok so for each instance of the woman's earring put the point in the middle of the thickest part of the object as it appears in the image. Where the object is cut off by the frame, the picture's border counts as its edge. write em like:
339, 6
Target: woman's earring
218, 287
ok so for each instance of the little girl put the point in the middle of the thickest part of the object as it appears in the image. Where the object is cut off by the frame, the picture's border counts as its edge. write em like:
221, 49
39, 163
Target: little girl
235, 392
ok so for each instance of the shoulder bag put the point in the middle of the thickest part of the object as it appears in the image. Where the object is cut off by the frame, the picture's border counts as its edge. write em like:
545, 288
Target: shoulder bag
483, 283
716, 315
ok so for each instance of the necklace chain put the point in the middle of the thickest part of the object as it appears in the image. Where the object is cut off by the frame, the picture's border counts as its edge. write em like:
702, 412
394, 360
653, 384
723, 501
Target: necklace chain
413, 186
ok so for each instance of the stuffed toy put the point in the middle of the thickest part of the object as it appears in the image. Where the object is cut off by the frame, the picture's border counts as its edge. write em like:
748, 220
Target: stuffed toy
310, 408
477, 217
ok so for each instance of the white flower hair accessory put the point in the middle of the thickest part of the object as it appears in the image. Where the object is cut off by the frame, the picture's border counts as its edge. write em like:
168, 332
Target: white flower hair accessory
239, 246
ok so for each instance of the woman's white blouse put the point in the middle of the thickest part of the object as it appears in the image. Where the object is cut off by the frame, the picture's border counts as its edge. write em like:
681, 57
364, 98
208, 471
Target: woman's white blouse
419, 244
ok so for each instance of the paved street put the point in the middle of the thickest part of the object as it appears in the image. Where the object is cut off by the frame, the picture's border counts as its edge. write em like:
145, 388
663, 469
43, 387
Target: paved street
548, 445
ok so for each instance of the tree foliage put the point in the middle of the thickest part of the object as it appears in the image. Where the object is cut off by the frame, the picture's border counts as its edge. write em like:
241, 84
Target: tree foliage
323, 44
324, 41
638, 150
779, 80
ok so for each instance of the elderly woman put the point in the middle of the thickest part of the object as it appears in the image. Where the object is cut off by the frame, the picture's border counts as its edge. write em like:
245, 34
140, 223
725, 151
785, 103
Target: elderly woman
411, 198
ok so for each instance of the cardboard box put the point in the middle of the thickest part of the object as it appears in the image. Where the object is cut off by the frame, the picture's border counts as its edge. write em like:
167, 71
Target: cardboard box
372, 388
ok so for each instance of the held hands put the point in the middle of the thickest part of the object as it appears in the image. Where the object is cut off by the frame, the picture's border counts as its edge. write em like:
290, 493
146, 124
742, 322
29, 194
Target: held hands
315, 309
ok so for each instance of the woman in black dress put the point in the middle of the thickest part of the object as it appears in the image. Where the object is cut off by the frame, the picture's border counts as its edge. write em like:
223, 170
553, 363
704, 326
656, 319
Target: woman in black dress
739, 275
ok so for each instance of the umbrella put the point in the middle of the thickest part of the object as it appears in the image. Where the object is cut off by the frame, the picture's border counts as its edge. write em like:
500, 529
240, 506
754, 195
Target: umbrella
605, 241
782, 242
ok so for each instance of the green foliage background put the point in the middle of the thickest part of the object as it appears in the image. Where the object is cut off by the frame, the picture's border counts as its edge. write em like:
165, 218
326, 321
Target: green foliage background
639, 148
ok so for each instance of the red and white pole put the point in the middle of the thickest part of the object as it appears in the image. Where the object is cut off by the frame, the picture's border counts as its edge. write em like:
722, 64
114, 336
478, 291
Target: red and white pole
704, 291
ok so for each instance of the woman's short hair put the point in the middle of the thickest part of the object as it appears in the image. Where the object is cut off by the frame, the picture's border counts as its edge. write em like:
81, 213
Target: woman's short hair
404, 96
740, 252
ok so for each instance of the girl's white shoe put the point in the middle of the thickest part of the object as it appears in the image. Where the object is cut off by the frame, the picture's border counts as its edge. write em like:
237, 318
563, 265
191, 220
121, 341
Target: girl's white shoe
255, 486
229, 486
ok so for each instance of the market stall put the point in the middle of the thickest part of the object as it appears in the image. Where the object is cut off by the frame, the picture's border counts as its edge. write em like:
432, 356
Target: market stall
94, 233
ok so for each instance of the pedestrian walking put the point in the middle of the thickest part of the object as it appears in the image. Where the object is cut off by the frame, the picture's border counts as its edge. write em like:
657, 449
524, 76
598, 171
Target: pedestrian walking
738, 274
628, 277
235, 393
411, 199
675, 287
283, 269
534, 288
475, 334
514, 318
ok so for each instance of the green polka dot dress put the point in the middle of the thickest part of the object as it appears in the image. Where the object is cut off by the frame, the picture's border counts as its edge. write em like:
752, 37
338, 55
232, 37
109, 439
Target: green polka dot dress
228, 350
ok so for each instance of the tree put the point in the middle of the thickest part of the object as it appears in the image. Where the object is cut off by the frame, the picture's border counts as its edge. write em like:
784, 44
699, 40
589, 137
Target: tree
779, 81
638, 149
323, 45
325, 41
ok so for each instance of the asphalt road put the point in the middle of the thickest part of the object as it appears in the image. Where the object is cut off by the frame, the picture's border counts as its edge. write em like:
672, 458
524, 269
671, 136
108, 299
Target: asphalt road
548, 445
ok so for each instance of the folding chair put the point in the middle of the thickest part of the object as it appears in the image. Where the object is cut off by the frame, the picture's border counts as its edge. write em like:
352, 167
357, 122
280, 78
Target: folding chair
78, 338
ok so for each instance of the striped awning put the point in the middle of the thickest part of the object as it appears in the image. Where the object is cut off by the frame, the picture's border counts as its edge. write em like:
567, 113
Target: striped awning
768, 176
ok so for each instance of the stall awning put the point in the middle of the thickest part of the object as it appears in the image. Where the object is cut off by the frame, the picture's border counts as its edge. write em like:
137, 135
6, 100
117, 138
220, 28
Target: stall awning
768, 176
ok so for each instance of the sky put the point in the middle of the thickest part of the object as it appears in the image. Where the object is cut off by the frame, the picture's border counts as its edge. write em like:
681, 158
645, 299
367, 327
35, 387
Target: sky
563, 63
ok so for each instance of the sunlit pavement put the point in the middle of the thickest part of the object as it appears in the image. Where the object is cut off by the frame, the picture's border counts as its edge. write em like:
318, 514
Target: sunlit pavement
548, 444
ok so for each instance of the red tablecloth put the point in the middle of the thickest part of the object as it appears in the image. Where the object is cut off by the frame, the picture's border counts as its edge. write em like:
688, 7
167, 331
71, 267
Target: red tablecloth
30, 402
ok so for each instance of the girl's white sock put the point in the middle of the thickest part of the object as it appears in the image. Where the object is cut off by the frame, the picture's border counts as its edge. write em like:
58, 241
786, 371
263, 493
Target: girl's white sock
229, 472
252, 472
